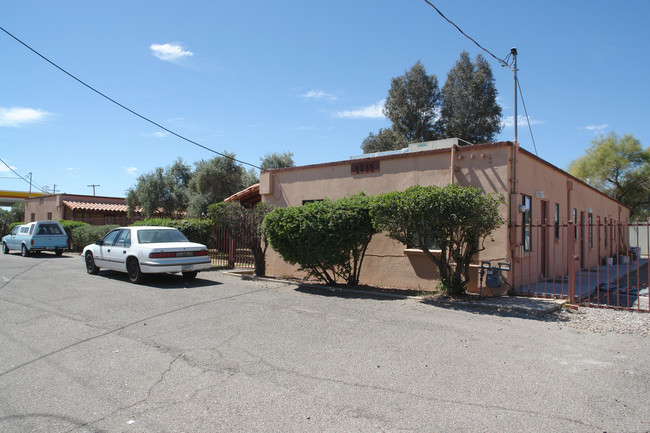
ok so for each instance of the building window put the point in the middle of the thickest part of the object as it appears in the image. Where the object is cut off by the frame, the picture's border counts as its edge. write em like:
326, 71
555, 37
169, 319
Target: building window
110, 219
605, 227
33, 217
49, 216
557, 220
527, 222
590, 218
575, 222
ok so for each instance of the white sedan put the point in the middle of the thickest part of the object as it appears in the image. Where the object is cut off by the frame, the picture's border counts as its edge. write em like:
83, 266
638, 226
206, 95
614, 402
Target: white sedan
146, 250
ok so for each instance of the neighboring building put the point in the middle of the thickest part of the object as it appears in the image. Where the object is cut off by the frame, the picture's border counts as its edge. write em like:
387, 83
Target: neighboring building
535, 192
90, 209
247, 197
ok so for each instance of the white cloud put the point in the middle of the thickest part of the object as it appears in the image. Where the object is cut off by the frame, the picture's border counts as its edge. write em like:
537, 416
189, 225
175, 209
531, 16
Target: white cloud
509, 121
170, 52
5, 169
374, 111
19, 116
319, 95
596, 128
130, 170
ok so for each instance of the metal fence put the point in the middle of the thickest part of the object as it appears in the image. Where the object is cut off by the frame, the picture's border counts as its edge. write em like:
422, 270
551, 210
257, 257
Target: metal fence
599, 263
227, 252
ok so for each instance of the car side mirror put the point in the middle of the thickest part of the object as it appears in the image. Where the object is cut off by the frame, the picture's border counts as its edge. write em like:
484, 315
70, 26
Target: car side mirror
100, 243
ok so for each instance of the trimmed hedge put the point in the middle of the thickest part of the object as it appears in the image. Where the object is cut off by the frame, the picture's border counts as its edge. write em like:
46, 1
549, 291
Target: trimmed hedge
86, 234
196, 230
68, 226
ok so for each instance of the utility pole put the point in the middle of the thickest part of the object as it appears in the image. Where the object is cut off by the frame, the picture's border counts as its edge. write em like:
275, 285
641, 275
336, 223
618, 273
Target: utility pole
93, 187
513, 51
30, 184
54, 189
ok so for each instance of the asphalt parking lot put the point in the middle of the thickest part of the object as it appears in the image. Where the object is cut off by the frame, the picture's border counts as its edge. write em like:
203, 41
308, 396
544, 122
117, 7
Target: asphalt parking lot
84, 353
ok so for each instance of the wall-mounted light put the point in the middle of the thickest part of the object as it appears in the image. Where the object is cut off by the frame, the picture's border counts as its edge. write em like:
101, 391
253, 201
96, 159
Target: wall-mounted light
522, 208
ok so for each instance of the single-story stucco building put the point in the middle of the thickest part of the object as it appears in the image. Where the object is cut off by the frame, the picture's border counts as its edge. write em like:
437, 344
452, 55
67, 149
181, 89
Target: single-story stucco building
540, 200
95, 210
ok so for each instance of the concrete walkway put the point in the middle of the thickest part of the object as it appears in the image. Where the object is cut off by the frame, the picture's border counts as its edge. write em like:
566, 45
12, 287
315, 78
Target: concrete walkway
592, 284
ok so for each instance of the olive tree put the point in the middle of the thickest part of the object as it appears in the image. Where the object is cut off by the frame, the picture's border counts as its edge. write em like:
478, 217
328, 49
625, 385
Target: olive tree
449, 224
328, 239
246, 225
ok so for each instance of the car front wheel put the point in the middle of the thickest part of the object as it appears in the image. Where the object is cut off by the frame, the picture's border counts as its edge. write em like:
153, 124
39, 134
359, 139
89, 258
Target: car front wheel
91, 267
24, 251
5, 248
133, 269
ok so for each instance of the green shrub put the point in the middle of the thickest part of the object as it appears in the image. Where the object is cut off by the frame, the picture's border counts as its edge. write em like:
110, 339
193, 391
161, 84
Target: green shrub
327, 238
68, 226
196, 230
454, 220
86, 234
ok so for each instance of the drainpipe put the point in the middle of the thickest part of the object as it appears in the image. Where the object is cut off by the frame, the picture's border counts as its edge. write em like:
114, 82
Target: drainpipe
451, 165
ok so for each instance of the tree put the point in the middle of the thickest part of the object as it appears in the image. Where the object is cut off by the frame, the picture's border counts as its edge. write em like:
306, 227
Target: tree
163, 191
454, 220
328, 239
619, 167
213, 181
469, 102
412, 104
246, 226
384, 140
277, 160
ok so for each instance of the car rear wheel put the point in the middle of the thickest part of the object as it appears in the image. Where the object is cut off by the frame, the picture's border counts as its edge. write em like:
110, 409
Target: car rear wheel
5, 248
133, 269
91, 267
24, 251
189, 275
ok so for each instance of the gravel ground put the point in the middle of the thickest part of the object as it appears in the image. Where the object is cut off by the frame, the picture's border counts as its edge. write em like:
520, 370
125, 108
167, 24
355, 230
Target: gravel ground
605, 321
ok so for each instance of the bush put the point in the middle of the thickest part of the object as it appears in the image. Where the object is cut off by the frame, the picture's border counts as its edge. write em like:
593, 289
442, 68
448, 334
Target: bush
68, 226
86, 234
328, 239
196, 230
454, 220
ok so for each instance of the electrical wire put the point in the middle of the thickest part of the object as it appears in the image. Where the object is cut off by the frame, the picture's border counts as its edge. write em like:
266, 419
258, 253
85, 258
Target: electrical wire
23, 178
526, 113
504, 62
501, 61
125, 107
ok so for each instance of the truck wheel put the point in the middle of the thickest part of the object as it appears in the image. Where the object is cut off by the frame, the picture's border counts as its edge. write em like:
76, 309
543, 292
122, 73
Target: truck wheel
133, 269
91, 268
58, 252
24, 251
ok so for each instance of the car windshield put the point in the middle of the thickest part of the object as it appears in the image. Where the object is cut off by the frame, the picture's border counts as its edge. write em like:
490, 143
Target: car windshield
154, 236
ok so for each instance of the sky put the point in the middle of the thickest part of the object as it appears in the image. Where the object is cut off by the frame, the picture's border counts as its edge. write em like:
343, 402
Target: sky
307, 77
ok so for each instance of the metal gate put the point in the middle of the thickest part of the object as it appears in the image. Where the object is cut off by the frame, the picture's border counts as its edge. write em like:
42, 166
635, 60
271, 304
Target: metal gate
226, 252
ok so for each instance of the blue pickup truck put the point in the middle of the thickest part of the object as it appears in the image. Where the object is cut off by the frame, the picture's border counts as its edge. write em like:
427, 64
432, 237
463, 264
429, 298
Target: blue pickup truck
36, 237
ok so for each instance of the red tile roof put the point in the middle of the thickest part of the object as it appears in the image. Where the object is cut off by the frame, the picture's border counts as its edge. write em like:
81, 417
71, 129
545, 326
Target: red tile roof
101, 207
250, 194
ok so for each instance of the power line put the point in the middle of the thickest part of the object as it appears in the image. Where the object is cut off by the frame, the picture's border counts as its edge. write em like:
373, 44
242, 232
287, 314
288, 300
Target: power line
123, 106
526, 113
502, 61
21, 177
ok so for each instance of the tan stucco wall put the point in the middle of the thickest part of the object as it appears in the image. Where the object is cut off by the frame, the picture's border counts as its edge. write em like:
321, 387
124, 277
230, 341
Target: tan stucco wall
41, 206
